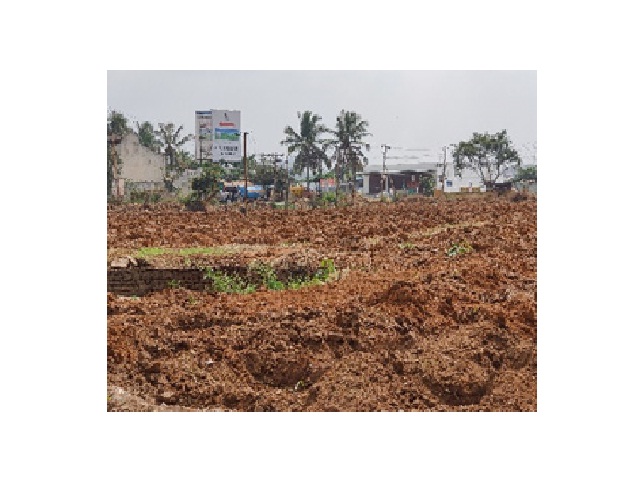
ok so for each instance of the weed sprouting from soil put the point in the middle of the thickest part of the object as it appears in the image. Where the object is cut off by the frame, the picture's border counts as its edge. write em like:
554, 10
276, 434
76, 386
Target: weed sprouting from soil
185, 252
459, 248
267, 278
223, 282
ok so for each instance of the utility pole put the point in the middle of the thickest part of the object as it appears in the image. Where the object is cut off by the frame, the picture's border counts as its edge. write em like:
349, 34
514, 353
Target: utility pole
286, 194
384, 169
245, 170
337, 171
444, 167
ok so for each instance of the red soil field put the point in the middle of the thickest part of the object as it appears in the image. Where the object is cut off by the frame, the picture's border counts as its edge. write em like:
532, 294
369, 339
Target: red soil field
407, 324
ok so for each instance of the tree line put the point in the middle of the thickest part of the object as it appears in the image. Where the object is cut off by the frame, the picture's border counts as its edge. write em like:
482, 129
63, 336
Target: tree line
340, 150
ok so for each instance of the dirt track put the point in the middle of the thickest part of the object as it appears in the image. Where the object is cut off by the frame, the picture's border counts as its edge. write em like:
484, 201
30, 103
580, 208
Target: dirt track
406, 327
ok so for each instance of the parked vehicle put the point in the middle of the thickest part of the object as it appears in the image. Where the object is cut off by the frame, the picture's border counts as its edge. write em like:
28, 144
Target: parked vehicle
229, 194
255, 192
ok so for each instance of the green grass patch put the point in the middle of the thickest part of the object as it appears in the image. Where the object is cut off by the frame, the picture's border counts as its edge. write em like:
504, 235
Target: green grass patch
151, 251
184, 252
266, 275
222, 282
459, 248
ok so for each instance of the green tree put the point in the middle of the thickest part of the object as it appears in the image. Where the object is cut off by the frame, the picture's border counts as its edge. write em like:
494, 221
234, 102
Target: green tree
489, 155
310, 148
171, 141
428, 184
261, 173
185, 160
117, 127
207, 183
527, 173
350, 133
147, 136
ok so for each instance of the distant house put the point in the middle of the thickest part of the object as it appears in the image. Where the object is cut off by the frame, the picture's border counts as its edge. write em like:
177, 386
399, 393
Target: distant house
142, 169
468, 180
400, 176
407, 177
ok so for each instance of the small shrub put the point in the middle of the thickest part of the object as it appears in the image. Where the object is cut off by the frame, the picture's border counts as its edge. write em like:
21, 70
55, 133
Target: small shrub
222, 282
428, 185
328, 266
459, 248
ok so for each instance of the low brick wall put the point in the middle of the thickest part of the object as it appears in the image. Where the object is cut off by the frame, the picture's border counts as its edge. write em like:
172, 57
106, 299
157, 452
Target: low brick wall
141, 280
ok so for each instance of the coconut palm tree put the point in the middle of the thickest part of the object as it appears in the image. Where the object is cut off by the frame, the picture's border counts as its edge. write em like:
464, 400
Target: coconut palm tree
310, 147
349, 142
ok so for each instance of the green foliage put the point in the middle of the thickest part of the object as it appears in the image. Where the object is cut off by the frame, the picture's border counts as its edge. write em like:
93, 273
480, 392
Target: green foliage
117, 124
145, 197
185, 252
310, 148
428, 184
209, 180
407, 246
328, 197
527, 173
489, 155
350, 133
170, 139
185, 160
173, 283
147, 137
459, 248
151, 251
117, 127
267, 275
222, 282
328, 267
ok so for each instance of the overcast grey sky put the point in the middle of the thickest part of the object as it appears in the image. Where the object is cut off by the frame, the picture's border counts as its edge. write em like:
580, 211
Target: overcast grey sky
405, 109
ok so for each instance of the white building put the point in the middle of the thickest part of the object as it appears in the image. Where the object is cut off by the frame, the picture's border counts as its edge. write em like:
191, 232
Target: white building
467, 179
407, 177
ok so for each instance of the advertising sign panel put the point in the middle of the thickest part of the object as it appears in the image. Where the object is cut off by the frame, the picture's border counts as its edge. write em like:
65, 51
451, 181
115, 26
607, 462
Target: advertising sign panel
204, 135
326, 183
226, 136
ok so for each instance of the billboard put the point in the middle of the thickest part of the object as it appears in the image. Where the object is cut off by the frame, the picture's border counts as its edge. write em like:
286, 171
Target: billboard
327, 183
204, 135
218, 135
226, 136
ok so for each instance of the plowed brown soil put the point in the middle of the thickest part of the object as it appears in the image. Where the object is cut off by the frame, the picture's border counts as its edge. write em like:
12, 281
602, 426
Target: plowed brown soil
405, 327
